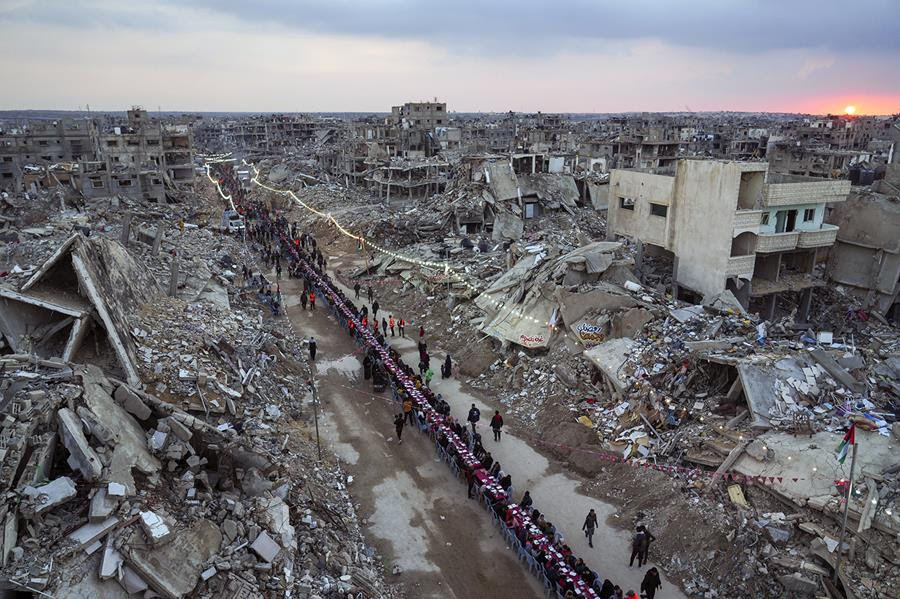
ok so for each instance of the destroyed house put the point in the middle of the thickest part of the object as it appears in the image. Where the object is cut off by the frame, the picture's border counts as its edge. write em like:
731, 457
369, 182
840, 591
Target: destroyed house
76, 307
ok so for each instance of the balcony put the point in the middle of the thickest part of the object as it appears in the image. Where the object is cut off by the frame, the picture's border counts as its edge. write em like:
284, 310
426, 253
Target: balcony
819, 238
777, 242
805, 192
746, 221
741, 266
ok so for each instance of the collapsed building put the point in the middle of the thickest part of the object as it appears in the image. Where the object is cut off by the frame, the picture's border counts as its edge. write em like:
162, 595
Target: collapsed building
149, 444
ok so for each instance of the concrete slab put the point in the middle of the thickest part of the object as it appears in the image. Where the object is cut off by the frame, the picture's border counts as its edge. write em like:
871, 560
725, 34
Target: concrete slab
173, 570
46, 497
93, 531
759, 391
72, 435
130, 449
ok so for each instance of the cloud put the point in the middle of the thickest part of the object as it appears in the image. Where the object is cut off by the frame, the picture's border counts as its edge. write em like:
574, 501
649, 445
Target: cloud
520, 27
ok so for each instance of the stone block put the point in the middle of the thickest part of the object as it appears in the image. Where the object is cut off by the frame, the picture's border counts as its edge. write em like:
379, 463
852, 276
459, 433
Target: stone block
265, 547
156, 528
102, 506
179, 430
133, 404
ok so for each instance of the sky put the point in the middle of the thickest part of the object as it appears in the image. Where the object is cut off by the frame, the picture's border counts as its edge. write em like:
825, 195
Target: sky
811, 56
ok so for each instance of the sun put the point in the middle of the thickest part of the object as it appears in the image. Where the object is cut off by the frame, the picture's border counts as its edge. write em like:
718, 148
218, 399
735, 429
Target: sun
851, 109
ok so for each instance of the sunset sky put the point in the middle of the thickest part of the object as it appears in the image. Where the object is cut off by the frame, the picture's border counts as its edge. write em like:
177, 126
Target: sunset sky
562, 56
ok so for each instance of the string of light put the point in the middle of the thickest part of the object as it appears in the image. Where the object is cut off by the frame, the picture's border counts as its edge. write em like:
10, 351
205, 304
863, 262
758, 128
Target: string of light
498, 305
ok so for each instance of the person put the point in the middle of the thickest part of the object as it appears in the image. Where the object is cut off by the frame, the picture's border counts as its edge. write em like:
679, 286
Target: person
617, 592
421, 331
638, 543
590, 524
470, 482
495, 470
391, 323
607, 590
649, 539
506, 482
446, 369
631, 595
429, 374
356, 290
384, 325
303, 301
375, 307
526, 500
369, 293
398, 426
650, 583
474, 416
402, 326
496, 424
408, 409
422, 366
312, 349
312, 300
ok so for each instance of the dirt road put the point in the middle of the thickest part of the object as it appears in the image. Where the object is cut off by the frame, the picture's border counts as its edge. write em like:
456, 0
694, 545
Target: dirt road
417, 513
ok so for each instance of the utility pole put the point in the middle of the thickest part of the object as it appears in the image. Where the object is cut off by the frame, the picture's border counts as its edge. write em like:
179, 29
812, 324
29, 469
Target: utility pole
837, 563
315, 394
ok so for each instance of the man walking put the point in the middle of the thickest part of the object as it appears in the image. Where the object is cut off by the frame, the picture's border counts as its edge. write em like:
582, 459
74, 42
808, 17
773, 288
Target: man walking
391, 324
590, 524
402, 326
384, 325
398, 426
474, 416
497, 424
312, 300
356, 289
312, 349
429, 374
651, 583
375, 309
369, 293
303, 301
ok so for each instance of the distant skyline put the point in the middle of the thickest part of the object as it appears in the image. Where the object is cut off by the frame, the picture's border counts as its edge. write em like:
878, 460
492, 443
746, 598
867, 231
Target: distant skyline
587, 56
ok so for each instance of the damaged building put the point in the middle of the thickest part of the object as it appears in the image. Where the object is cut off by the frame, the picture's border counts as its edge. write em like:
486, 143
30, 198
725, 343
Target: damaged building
730, 225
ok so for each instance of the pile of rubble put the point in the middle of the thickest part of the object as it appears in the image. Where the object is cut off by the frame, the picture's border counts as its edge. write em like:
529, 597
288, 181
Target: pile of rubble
157, 442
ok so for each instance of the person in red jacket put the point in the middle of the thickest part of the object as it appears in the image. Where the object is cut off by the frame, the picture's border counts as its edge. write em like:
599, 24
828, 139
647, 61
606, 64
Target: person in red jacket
312, 300
421, 332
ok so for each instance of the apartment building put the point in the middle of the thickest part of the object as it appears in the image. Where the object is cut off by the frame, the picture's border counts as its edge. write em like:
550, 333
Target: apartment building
424, 115
730, 225
138, 157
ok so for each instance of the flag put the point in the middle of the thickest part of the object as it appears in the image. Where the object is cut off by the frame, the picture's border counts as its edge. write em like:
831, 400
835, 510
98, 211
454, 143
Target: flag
844, 448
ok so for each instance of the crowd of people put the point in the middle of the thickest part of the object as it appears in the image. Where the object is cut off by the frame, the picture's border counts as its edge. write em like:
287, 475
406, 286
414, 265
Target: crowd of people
536, 539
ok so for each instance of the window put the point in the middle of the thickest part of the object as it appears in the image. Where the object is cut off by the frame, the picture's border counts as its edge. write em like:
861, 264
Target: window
42, 142
765, 219
7, 159
157, 181
809, 215
112, 143
659, 210
626, 203
7, 175
96, 183
125, 183
530, 210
